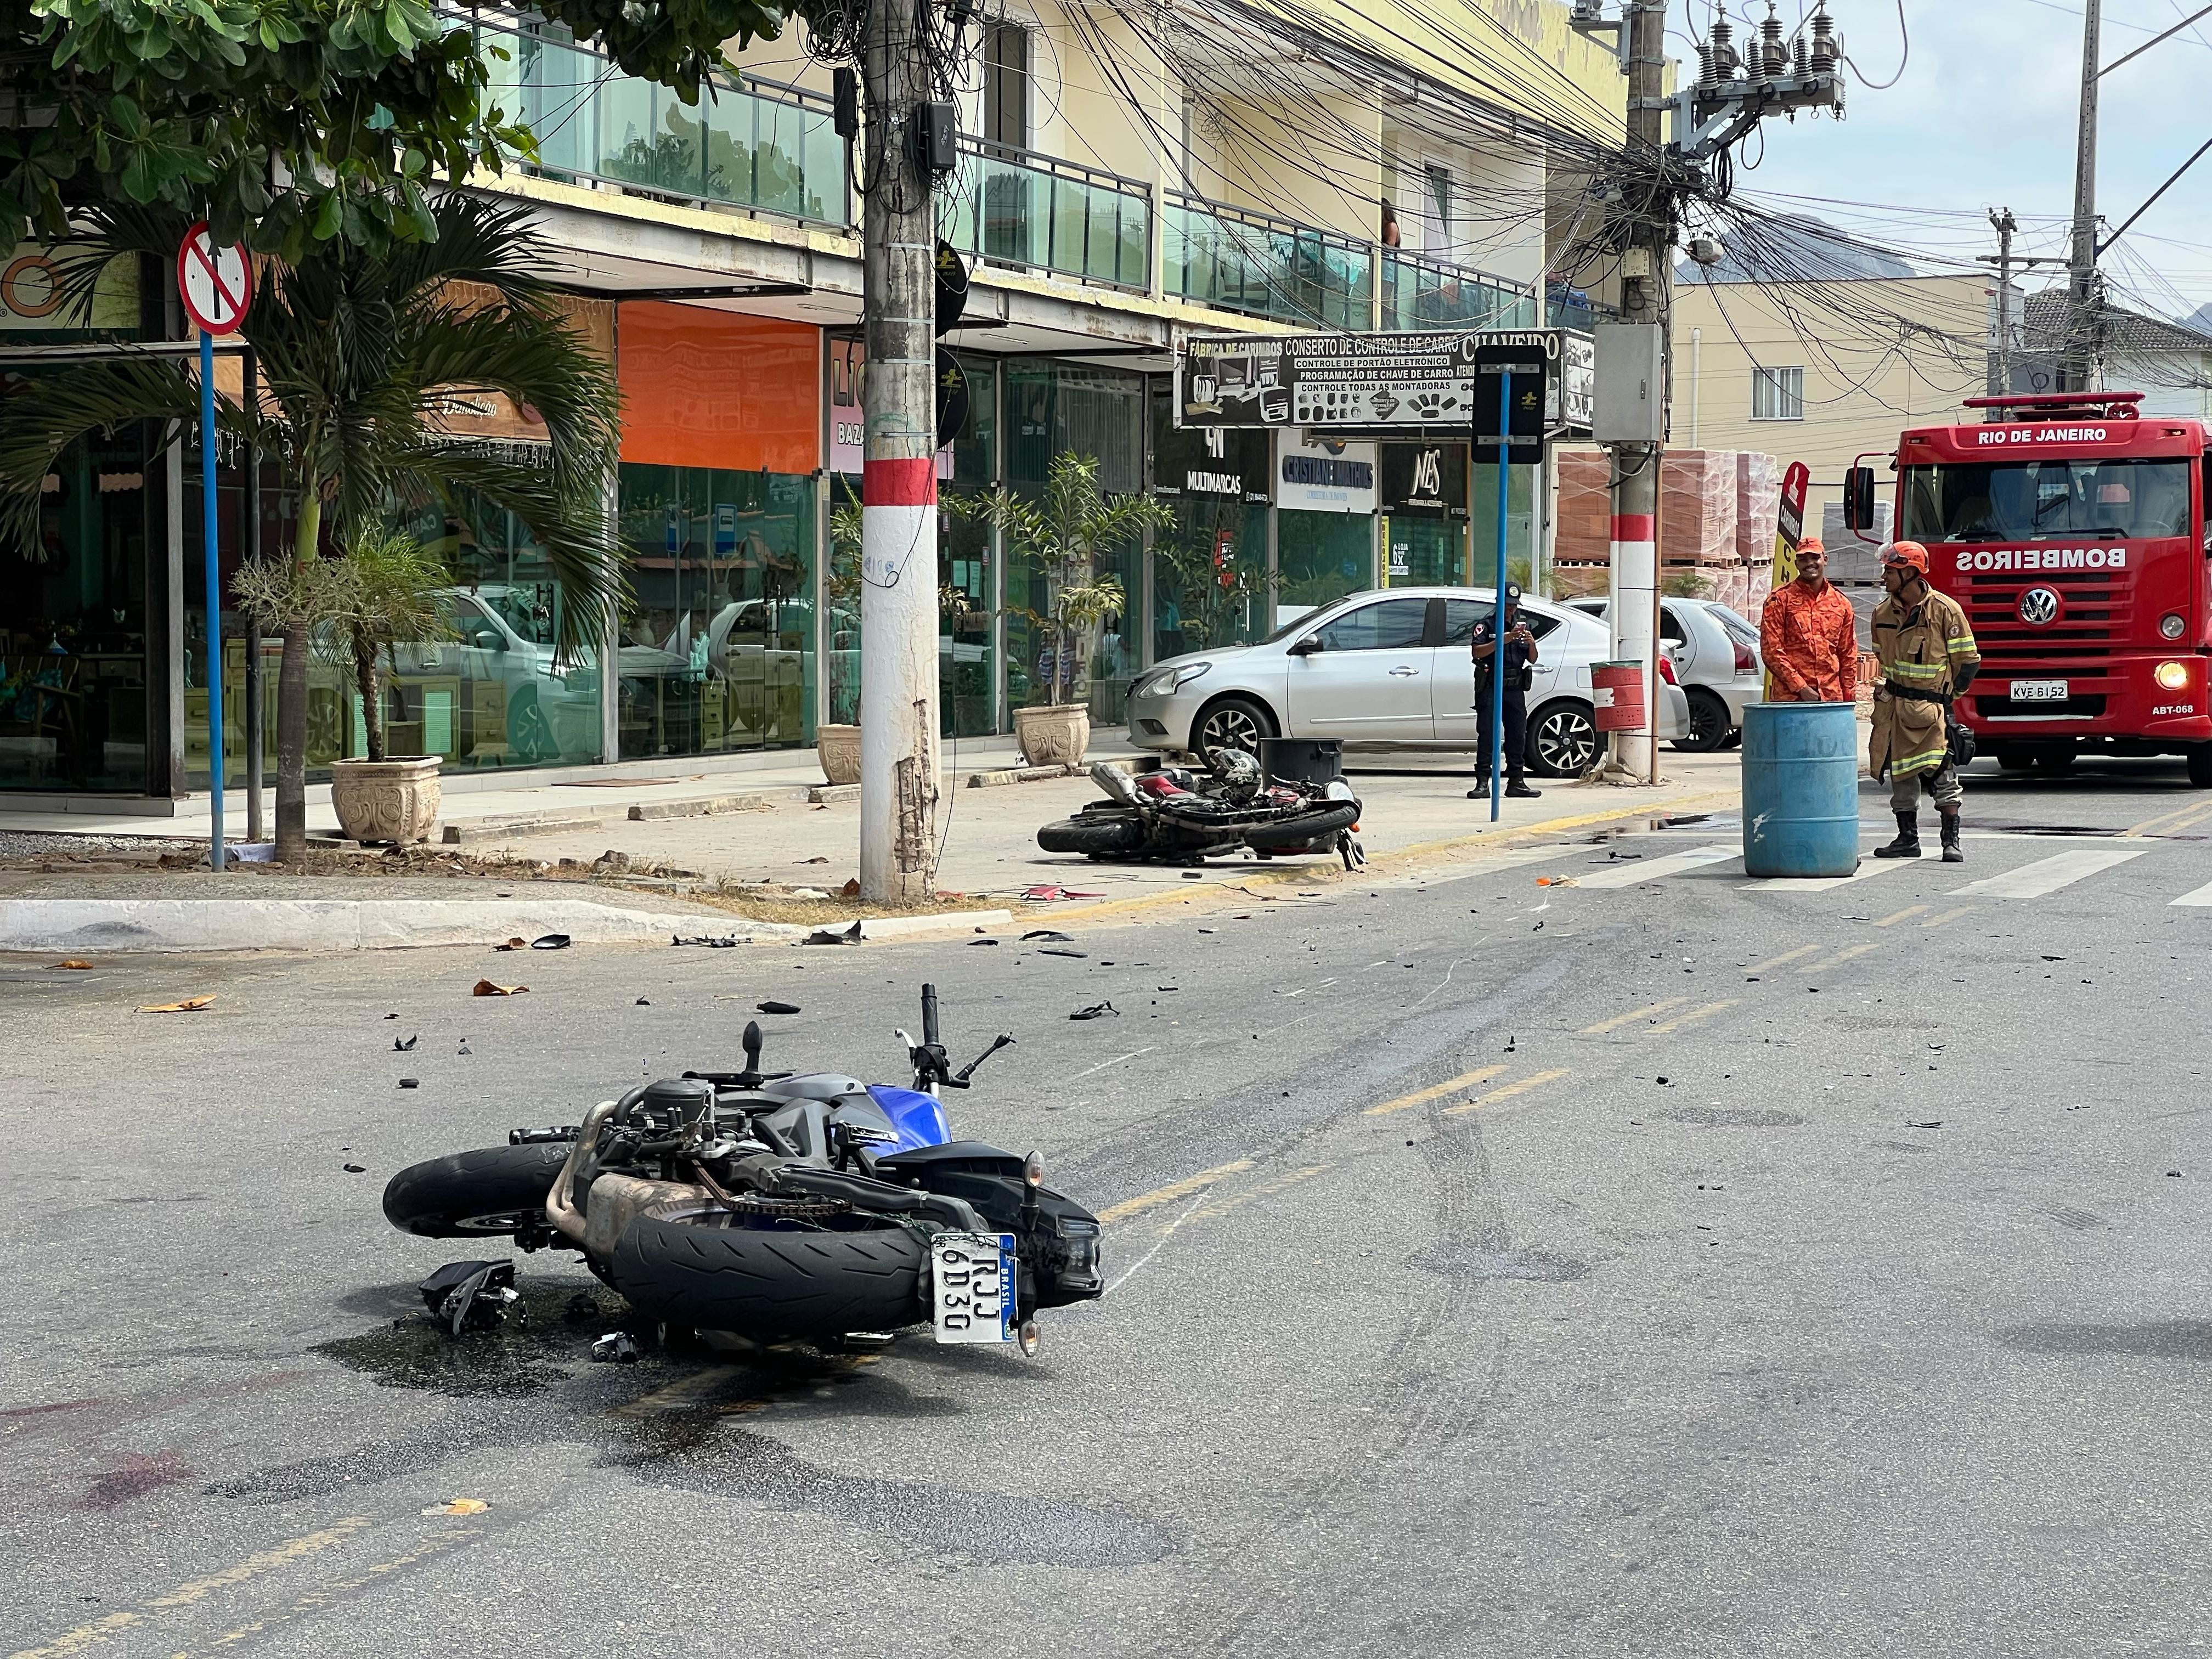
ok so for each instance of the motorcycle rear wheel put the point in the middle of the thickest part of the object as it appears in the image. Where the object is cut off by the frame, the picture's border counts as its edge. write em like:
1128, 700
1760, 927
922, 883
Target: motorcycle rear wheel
772, 1283
1092, 834
474, 1195
1290, 834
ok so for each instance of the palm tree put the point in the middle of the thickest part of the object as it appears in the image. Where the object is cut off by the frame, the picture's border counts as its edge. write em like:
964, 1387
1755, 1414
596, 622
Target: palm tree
359, 352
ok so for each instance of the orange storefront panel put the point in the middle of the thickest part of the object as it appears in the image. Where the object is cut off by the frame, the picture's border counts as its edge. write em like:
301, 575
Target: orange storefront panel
711, 388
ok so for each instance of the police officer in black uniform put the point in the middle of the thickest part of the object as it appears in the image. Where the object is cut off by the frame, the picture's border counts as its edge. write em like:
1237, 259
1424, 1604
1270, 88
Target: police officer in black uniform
1520, 651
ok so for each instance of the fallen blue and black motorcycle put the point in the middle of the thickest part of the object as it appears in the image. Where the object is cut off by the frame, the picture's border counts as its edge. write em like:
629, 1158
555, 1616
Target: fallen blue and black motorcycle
772, 1206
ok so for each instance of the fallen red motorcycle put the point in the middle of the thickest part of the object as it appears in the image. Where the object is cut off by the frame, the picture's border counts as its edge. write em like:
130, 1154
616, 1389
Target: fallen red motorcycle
1172, 813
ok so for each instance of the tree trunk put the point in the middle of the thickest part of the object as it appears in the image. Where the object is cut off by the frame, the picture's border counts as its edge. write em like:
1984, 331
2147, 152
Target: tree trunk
292, 698
371, 700
292, 744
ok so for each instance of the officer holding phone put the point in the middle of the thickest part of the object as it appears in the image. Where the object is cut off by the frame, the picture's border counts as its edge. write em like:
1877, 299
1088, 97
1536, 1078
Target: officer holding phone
1520, 652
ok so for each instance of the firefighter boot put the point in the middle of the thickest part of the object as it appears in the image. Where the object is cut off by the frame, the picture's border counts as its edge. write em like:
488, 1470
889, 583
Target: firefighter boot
1953, 853
1907, 844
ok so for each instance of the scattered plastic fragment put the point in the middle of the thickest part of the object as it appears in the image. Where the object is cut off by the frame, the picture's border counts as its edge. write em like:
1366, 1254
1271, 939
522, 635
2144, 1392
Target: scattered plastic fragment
1096, 1011
469, 1295
831, 936
1557, 881
774, 1007
1049, 950
73, 961
983, 941
644, 1002
189, 1005
814, 860
355, 1168
486, 988
518, 943
410, 1082
1046, 894
1047, 933
460, 1506
615, 1348
1933, 1123
401, 1045
851, 887
550, 942
727, 941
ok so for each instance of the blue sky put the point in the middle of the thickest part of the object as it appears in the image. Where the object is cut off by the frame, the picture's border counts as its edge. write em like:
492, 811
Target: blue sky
1983, 116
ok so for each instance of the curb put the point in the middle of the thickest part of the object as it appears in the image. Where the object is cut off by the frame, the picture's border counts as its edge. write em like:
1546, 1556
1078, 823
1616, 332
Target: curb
704, 806
1546, 830
874, 927
88, 925
498, 826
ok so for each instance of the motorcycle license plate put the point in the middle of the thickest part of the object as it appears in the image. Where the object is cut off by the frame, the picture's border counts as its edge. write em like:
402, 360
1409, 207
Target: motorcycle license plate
2039, 691
972, 1286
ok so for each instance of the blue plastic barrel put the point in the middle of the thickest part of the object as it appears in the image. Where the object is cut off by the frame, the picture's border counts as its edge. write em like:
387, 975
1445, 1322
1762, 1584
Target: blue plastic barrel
1800, 789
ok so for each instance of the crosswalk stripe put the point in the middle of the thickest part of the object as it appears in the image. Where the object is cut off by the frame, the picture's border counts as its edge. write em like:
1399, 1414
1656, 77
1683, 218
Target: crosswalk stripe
2197, 897
1867, 870
1628, 875
1645, 1013
1522, 1087
1694, 1016
2047, 876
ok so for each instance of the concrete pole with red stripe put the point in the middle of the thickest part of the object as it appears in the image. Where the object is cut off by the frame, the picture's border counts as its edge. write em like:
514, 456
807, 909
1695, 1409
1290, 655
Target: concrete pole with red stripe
898, 534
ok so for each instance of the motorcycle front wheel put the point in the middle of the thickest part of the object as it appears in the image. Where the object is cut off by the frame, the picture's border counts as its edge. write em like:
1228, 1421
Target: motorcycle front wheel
493, 1191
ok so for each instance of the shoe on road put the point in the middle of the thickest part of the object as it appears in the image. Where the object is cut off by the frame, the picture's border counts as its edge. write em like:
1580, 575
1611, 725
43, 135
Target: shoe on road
1522, 792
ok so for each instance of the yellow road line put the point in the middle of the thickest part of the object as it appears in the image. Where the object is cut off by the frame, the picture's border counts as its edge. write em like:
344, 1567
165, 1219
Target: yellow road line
1264, 1190
184, 1595
1645, 1013
2166, 822
1421, 1097
1694, 1016
1507, 1093
1787, 956
1172, 1191
1948, 915
1908, 911
1841, 956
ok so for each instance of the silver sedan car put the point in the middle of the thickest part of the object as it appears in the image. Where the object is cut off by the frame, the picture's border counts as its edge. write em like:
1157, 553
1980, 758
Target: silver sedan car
1389, 669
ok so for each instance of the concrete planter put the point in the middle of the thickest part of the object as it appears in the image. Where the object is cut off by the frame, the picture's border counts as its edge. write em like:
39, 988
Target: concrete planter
387, 800
840, 749
1056, 734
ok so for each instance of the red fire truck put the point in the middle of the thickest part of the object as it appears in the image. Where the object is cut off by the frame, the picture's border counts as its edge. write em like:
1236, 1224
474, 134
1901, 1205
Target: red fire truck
2071, 526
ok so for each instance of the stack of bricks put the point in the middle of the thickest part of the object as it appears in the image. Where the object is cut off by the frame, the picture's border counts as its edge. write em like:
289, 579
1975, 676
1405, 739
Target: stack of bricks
1716, 513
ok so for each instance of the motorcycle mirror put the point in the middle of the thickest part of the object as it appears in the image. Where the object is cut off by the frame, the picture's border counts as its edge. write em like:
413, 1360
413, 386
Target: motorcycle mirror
752, 1045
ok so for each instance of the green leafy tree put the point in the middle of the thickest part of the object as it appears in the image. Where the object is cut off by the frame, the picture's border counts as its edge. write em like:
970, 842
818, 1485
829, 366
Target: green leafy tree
360, 353
288, 123
1064, 535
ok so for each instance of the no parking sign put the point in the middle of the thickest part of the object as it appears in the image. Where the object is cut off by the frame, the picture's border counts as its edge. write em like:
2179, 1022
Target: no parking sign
215, 280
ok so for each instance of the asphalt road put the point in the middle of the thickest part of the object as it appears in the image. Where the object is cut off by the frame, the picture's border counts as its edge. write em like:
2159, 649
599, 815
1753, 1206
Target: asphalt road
1660, 1264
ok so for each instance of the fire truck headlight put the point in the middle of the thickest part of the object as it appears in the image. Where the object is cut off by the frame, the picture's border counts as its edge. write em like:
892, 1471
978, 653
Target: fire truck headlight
2172, 676
2171, 625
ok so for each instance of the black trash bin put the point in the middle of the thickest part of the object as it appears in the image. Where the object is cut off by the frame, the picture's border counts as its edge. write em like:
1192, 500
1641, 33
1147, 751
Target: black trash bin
1302, 760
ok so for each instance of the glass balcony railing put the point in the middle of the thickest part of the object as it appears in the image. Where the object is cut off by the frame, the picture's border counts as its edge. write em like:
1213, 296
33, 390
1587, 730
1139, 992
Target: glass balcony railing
1420, 293
756, 145
1237, 260
1014, 207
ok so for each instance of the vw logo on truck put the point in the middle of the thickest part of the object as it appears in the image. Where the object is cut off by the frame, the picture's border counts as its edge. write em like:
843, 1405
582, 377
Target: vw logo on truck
2038, 606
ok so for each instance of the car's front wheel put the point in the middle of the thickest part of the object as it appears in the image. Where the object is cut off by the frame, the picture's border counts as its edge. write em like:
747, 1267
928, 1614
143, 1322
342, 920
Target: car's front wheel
1562, 741
1232, 723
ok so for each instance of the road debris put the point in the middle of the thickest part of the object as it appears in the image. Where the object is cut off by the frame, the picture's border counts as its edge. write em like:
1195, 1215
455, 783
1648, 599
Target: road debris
1050, 951
189, 1005
1046, 894
485, 987
727, 941
775, 1007
643, 1002
831, 936
72, 962
355, 1168
460, 1506
615, 1348
410, 1082
983, 941
1096, 1011
402, 1045
518, 943
470, 1295
550, 942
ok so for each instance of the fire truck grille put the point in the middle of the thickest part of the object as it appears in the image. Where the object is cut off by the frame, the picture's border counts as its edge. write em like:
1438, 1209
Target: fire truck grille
2091, 619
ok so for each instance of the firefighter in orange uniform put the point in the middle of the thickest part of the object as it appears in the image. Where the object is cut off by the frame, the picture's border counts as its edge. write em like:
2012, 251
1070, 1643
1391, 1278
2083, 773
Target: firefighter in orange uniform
1809, 635
1927, 658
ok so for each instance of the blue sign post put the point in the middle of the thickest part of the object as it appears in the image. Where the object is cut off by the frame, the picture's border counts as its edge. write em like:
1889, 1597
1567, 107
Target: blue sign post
216, 283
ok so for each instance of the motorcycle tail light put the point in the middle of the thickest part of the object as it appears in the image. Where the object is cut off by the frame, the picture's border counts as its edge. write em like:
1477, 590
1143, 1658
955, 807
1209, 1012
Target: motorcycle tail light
1031, 1337
2171, 625
2172, 676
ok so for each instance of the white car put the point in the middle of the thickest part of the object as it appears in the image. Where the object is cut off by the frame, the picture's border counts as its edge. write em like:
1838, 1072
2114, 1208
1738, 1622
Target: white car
1716, 652
1387, 668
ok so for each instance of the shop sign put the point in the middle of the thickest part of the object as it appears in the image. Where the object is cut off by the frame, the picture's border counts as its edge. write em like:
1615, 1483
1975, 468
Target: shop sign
1425, 478
1320, 472
1212, 463
1371, 383
31, 295
848, 361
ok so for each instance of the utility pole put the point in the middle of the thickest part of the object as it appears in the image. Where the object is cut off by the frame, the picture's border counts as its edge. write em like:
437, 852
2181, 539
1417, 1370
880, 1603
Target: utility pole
1634, 471
2000, 375
2079, 366
898, 535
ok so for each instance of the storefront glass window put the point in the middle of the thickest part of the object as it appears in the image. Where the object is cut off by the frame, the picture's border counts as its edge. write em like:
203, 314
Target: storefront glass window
1060, 408
1520, 499
1321, 556
717, 648
1210, 568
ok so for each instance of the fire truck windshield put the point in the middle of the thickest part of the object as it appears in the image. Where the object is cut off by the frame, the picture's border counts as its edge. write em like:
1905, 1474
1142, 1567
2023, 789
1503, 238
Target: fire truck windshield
2028, 500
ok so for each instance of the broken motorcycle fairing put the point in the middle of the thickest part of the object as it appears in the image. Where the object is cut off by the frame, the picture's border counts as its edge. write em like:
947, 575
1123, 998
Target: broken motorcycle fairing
1174, 813
777, 1205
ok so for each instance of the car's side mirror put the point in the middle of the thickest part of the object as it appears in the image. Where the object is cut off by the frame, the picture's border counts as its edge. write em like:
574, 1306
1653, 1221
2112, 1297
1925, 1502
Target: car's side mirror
1306, 646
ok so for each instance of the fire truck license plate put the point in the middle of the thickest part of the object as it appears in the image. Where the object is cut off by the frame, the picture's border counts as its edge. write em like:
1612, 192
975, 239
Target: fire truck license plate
2039, 691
